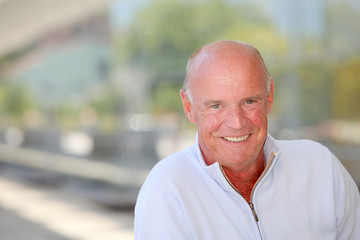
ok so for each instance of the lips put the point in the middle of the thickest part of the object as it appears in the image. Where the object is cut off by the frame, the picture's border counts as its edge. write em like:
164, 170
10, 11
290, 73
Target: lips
236, 139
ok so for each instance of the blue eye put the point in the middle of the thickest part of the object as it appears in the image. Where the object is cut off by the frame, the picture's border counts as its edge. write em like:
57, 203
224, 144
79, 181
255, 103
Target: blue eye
215, 106
250, 101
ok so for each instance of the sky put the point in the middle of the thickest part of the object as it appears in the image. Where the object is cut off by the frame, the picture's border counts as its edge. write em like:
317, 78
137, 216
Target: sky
306, 15
121, 12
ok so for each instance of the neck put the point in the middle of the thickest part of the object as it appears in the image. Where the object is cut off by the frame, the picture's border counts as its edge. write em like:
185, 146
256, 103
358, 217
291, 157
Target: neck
245, 179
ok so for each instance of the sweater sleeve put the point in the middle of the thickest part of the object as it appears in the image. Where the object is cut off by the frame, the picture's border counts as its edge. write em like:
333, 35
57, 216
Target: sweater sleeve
347, 200
159, 216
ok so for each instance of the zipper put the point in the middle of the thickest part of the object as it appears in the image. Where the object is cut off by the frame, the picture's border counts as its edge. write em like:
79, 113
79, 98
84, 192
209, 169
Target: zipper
251, 205
254, 212
267, 167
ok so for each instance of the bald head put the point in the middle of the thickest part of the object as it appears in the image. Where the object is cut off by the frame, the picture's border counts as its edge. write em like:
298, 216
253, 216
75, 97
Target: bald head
219, 51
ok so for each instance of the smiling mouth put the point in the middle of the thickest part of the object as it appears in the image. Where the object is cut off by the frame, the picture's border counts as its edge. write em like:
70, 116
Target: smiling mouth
236, 139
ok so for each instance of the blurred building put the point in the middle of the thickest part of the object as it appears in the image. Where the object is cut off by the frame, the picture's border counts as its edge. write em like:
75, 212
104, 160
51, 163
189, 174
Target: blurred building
22, 22
65, 51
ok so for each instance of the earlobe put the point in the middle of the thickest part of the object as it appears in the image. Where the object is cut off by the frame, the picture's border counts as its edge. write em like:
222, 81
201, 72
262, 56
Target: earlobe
187, 106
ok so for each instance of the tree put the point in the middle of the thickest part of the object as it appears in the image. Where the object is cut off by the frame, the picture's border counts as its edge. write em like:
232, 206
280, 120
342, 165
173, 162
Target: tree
14, 101
342, 50
164, 34
346, 89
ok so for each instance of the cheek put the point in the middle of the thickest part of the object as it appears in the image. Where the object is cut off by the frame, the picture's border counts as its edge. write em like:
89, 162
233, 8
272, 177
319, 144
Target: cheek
258, 118
209, 123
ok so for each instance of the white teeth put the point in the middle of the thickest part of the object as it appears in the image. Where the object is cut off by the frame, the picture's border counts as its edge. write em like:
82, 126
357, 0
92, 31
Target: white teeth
236, 139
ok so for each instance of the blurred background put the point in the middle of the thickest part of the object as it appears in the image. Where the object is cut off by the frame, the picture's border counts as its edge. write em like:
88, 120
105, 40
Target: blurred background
89, 93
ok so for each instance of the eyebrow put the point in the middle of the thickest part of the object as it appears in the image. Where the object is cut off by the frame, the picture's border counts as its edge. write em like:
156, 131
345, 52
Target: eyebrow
211, 102
258, 96
216, 101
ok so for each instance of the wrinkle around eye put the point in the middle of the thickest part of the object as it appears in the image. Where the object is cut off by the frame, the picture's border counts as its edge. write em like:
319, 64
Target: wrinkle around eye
213, 109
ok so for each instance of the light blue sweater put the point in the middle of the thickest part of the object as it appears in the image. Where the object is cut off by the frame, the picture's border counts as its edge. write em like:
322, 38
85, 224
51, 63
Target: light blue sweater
304, 193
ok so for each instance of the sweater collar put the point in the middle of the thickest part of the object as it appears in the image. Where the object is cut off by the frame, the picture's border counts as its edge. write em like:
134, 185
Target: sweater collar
270, 147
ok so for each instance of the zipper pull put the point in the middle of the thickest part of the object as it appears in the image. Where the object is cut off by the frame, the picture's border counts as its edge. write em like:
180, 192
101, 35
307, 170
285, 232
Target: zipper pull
253, 211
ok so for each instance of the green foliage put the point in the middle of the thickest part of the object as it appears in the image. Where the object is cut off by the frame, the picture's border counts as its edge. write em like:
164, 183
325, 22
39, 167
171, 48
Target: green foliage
14, 101
346, 89
164, 34
166, 99
66, 115
330, 89
315, 89
101, 112
172, 30
330, 85
342, 28
107, 103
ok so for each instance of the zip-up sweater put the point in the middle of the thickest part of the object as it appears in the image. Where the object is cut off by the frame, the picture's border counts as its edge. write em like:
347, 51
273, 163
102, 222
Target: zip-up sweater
304, 193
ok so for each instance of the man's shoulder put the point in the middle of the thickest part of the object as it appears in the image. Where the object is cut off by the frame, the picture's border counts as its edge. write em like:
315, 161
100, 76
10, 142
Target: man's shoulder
178, 159
304, 148
301, 144
175, 166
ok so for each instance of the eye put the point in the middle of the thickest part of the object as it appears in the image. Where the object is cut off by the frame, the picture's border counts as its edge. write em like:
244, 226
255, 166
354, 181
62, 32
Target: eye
215, 106
250, 101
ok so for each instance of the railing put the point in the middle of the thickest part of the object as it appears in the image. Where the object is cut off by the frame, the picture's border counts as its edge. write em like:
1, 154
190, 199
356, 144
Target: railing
79, 167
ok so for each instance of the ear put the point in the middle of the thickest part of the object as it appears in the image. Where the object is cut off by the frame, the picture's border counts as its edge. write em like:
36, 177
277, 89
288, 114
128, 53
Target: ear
187, 106
270, 98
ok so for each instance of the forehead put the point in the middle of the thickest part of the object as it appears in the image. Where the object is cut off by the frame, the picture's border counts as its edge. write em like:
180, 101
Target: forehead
229, 73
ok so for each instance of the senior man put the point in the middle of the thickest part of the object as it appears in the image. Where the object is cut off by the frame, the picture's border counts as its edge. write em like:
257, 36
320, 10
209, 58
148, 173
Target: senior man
236, 181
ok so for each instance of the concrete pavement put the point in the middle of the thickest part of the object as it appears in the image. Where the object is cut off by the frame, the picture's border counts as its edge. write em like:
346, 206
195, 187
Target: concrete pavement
35, 213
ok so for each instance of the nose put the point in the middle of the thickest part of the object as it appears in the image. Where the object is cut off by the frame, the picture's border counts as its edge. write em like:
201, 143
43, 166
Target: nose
236, 118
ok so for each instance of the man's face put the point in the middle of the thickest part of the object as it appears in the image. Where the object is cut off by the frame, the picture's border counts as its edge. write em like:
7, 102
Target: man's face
230, 109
